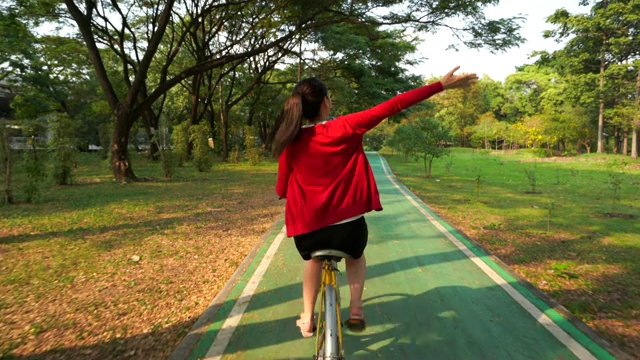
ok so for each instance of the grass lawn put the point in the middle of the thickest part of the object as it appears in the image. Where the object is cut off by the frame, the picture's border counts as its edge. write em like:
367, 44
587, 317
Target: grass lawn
102, 270
570, 226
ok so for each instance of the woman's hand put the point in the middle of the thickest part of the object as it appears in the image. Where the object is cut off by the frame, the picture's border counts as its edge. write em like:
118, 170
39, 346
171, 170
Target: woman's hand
451, 81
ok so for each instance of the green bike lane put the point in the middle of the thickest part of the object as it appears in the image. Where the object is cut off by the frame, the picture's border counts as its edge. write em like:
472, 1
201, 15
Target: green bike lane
429, 294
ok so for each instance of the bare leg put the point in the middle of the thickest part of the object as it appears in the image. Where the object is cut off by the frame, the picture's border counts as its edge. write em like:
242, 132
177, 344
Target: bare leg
310, 286
356, 272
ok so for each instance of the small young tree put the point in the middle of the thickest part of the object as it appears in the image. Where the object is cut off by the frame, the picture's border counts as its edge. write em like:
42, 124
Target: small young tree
104, 133
428, 140
180, 142
29, 108
5, 156
161, 138
380, 135
33, 163
401, 140
251, 148
199, 136
63, 148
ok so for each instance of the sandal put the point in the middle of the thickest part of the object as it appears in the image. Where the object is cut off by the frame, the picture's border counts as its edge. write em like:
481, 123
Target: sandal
304, 324
356, 323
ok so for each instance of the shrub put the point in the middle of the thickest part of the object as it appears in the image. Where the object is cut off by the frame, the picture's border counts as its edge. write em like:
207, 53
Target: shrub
199, 136
252, 149
64, 151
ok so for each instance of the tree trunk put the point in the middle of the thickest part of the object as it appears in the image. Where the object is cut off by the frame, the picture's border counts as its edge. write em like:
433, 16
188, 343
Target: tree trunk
211, 118
120, 163
6, 162
634, 143
150, 128
616, 139
636, 122
625, 142
601, 96
224, 130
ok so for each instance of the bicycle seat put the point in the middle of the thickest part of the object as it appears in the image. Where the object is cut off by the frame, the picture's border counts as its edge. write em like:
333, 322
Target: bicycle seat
329, 254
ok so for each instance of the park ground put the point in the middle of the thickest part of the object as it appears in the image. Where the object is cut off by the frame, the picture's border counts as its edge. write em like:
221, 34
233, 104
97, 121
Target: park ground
103, 270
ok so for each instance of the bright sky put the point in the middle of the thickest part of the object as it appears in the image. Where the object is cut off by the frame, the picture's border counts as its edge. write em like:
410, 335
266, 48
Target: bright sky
497, 66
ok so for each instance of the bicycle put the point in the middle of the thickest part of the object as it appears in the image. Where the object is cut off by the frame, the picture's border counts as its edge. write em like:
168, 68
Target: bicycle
329, 345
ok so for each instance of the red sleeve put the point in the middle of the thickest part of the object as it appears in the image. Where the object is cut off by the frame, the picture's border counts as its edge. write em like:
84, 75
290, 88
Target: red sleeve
283, 175
366, 120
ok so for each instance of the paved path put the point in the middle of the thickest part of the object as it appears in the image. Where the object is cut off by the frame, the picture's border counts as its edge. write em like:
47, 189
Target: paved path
430, 294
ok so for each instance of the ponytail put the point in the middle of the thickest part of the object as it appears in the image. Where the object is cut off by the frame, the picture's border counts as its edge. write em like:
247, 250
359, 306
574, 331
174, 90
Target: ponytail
305, 102
290, 121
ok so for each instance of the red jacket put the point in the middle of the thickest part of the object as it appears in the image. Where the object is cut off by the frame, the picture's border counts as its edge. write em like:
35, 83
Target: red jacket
324, 173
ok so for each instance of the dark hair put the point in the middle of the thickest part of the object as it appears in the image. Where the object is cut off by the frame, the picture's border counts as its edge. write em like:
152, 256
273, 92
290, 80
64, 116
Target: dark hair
305, 102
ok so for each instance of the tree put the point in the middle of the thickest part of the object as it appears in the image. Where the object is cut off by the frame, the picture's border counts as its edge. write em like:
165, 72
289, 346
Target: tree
135, 36
401, 140
426, 139
458, 110
602, 39
365, 63
136, 43
532, 89
636, 122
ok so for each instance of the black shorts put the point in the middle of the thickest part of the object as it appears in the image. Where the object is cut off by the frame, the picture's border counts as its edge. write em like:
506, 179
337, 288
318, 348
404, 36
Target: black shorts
350, 237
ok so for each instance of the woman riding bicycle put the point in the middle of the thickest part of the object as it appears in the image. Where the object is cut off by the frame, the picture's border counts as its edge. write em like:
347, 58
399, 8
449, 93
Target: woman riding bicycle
324, 175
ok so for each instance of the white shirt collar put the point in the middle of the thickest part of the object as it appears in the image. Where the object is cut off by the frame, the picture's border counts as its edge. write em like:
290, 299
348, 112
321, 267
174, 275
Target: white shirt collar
312, 125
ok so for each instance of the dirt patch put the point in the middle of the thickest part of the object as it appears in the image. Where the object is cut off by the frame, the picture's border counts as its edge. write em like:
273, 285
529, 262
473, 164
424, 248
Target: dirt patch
141, 298
549, 159
618, 215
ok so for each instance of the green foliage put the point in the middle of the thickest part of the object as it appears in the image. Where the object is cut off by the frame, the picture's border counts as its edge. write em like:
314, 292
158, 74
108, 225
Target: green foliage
478, 184
596, 58
202, 156
105, 132
6, 158
63, 148
34, 167
448, 165
532, 179
485, 131
252, 149
539, 152
425, 139
401, 140
531, 90
168, 159
373, 141
34, 155
369, 62
459, 109
380, 135
565, 269
551, 208
614, 183
180, 142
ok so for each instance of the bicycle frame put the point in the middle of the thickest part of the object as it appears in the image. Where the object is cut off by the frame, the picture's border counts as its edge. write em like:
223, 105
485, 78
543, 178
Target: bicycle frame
329, 328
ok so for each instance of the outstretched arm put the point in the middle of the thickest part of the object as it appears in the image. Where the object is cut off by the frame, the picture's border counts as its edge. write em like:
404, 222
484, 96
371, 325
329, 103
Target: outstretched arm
364, 121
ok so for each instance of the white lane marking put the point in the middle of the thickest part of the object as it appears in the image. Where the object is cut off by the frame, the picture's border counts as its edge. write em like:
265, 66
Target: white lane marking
542, 318
224, 335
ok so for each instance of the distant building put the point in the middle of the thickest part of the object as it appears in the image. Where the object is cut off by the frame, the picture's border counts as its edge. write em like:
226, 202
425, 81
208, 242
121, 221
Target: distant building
5, 99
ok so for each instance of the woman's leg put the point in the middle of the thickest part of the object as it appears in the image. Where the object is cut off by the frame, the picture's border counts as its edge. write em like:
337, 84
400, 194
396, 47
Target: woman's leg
356, 272
310, 286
